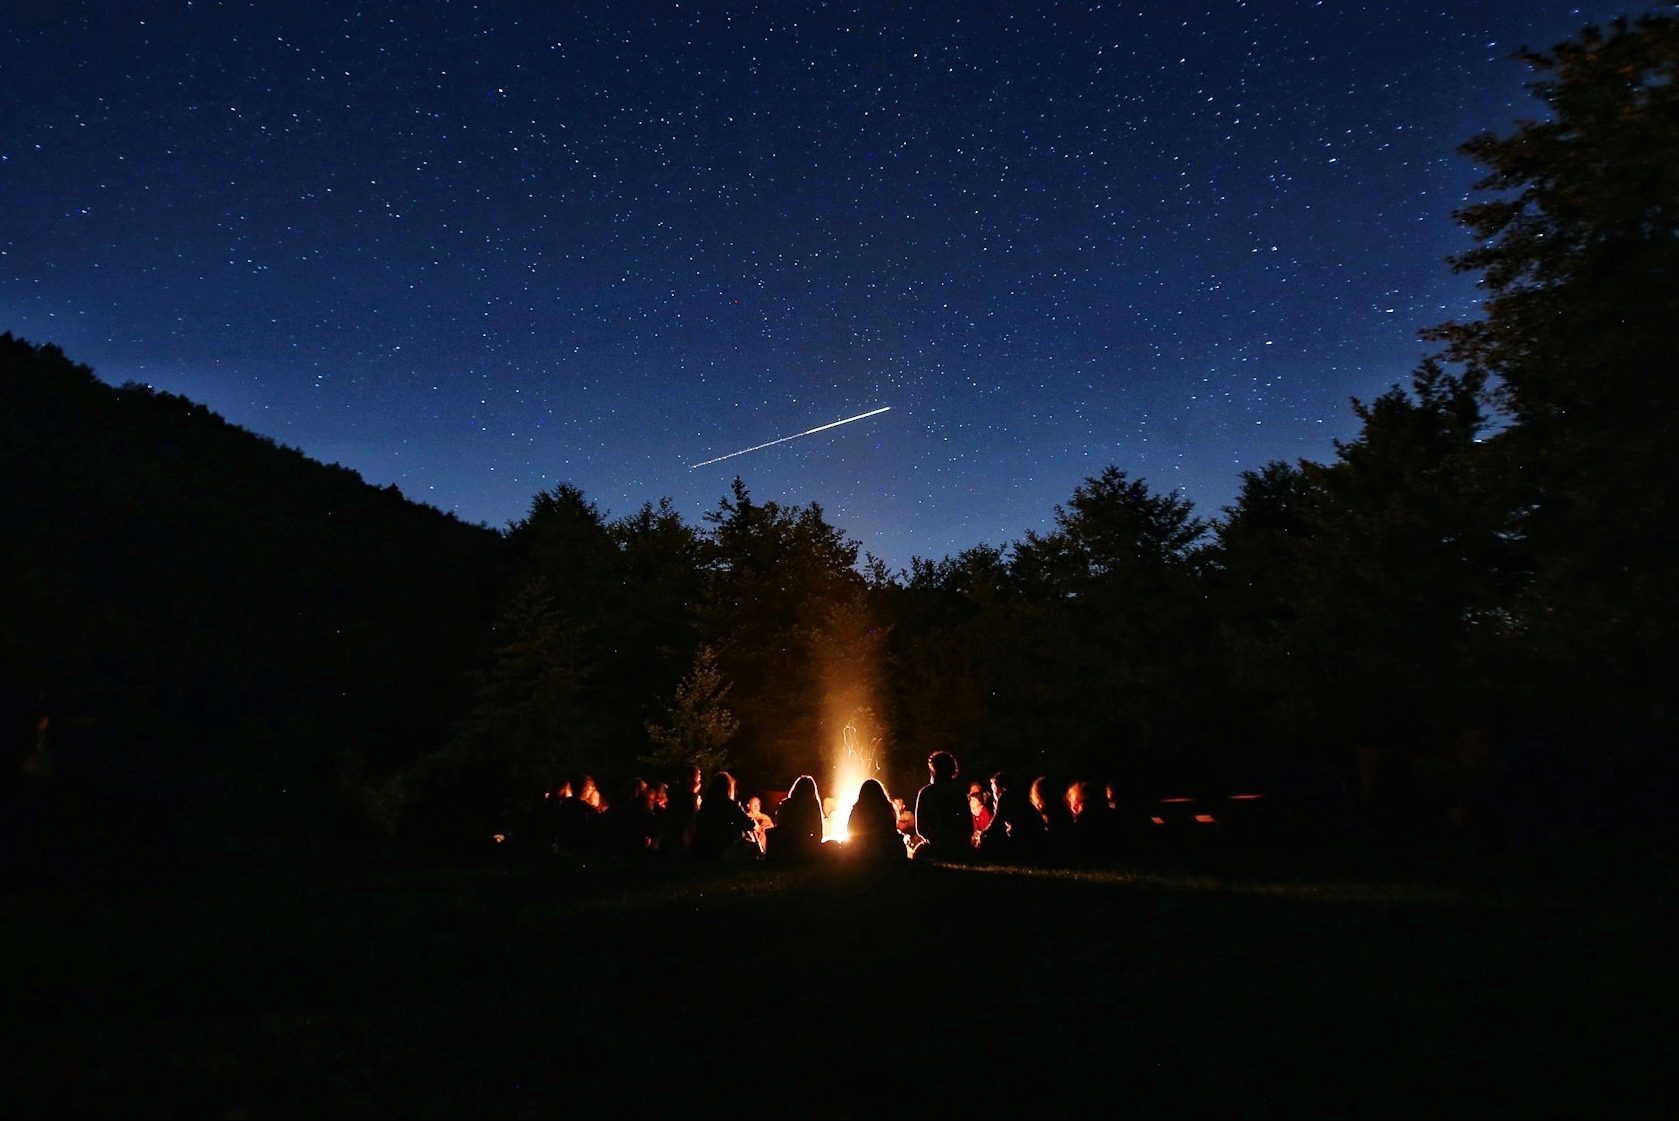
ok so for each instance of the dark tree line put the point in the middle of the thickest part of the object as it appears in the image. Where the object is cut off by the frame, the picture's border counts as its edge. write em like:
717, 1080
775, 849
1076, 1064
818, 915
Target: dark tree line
1490, 559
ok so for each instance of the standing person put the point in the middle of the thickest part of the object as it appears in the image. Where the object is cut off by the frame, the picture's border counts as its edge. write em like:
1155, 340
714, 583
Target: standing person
871, 832
942, 824
798, 824
721, 828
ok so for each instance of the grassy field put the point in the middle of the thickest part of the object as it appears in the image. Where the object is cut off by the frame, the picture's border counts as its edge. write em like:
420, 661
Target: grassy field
656, 988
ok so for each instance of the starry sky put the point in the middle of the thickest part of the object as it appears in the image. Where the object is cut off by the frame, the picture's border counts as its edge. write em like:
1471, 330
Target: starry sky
478, 250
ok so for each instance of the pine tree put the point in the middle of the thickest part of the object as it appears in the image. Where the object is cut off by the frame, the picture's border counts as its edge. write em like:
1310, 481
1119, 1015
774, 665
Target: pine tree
699, 726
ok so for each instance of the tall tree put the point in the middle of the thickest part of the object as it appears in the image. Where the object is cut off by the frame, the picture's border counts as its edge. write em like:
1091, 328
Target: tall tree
948, 636
1117, 631
1113, 531
655, 610
1398, 575
781, 580
1578, 252
582, 560
698, 727
530, 724
564, 539
1257, 584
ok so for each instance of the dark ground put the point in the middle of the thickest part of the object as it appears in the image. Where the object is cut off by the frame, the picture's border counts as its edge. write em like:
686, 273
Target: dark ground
654, 988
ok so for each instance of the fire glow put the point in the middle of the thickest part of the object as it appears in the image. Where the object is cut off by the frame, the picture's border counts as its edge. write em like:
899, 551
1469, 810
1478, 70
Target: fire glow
856, 763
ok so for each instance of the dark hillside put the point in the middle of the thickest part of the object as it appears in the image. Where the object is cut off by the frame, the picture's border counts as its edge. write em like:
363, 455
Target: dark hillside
198, 616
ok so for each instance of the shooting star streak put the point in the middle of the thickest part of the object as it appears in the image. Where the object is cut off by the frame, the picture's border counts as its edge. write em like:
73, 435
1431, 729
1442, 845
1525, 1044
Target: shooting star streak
794, 436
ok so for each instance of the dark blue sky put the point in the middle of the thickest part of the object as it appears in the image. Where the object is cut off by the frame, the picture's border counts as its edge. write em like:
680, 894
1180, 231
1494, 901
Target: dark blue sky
481, 249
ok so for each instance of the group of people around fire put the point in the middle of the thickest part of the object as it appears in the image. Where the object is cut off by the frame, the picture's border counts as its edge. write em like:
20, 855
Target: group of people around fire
950, 819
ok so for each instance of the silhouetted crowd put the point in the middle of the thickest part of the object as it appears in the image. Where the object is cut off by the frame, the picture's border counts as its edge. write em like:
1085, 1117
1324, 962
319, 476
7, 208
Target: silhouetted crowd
950, 819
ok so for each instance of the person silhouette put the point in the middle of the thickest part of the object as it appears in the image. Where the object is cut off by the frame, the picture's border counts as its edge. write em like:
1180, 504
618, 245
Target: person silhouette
943, 827
872, 829
577, 816
1095, 826
721, 828
1051, 806
798, 823
630, 825
684, 807
1016, 830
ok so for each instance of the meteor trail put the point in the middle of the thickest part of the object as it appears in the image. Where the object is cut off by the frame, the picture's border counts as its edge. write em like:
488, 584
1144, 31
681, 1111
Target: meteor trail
794, 436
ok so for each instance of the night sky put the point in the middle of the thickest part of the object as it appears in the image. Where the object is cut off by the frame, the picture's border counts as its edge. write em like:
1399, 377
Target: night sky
478, 250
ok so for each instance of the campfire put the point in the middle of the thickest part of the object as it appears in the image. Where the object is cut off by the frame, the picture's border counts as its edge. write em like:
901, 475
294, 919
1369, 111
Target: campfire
855, 763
